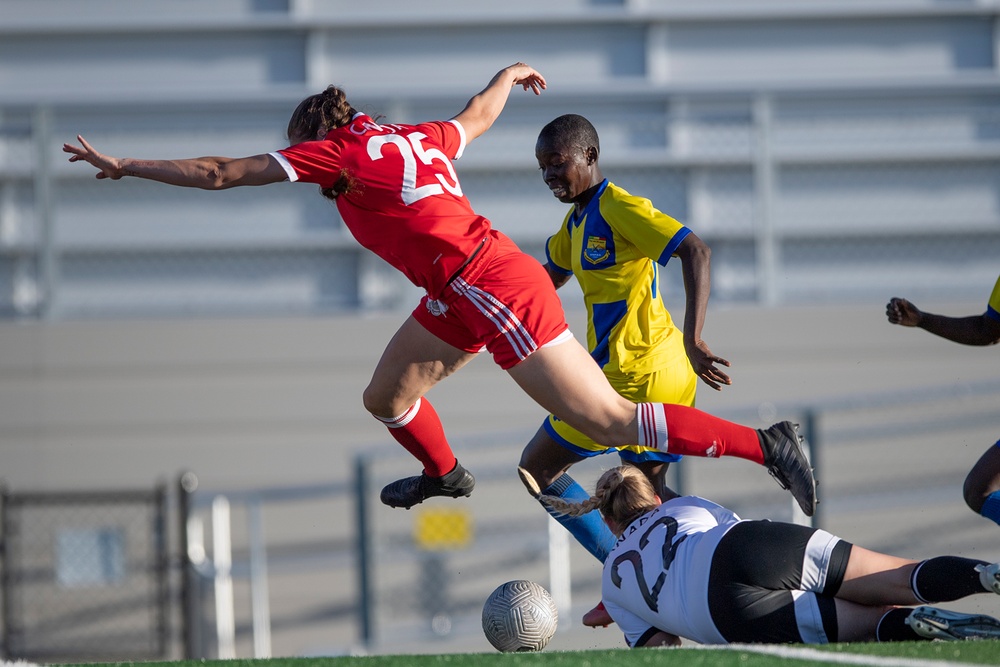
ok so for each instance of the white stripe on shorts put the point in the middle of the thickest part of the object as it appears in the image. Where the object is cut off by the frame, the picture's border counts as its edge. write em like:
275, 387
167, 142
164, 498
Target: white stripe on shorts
808, 618
502, 317
816, 561
815, 567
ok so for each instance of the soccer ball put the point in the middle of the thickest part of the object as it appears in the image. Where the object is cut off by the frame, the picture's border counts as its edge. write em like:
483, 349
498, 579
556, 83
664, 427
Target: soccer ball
519, 616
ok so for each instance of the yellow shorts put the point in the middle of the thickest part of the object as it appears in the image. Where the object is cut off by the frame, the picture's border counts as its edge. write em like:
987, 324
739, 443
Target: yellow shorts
674, 383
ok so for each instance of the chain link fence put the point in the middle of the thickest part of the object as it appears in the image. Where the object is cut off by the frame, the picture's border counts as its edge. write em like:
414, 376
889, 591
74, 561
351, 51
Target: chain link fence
85, 575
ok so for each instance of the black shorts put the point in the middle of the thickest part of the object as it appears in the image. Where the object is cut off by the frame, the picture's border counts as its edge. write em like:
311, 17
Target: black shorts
776, 582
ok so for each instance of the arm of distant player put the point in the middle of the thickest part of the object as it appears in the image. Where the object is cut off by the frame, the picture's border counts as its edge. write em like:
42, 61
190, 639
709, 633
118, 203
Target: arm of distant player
485, 107
970, 330
207, 173
695, 258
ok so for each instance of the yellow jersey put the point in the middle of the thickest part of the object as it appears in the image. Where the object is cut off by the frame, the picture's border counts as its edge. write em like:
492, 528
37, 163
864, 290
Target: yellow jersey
615, 248
993, 307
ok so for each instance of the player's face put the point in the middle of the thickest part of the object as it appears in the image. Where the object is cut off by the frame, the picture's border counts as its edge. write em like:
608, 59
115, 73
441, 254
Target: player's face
565, 169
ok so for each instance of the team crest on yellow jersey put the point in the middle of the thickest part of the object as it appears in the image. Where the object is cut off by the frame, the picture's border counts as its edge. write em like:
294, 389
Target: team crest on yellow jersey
596, 250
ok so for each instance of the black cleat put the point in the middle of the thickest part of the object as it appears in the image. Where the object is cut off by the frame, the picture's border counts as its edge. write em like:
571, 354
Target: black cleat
787, 463
411, 491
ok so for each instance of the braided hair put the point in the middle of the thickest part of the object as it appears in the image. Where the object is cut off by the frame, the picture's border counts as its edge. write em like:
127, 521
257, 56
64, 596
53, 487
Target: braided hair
622, 494
317, 115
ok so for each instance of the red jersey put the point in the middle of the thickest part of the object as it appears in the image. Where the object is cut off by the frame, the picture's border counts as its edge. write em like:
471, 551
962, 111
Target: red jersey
406, 204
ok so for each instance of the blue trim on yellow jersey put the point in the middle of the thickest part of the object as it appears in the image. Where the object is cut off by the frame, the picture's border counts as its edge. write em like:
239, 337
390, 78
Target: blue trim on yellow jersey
672, 246
569, 445
594, 203
992, 313
606, 317
555, 267
647, 455
599, 247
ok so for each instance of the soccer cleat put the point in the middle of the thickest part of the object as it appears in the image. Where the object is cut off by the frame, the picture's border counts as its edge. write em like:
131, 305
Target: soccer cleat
989, 575
598, 617
934, 623
787, 463
411, 491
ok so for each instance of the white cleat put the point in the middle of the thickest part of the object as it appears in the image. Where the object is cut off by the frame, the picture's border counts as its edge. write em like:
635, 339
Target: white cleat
934, 623
990, 576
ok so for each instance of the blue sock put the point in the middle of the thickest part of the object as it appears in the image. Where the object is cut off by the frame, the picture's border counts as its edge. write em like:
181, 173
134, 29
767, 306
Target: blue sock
991, 507
589, 529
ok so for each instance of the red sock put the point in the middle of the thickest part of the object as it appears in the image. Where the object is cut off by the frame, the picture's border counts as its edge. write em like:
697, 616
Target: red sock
419, 430
678, 429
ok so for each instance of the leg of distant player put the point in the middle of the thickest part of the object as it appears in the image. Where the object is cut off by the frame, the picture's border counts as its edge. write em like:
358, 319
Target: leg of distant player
982, 486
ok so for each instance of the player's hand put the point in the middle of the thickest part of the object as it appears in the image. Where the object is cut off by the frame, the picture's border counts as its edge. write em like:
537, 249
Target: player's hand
902, 312
704, 364
109, 167
527, 77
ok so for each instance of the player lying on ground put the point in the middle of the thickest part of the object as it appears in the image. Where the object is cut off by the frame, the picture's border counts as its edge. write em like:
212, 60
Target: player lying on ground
690, 568
982, 485
398, 193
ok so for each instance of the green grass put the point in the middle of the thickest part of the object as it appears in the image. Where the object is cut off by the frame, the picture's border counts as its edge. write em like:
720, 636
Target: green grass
974, 652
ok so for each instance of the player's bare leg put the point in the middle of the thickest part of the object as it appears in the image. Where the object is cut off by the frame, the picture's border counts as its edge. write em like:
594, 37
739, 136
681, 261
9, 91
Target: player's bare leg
545, 459
565, 380
543, 470
857, 622
874, 578
413, 362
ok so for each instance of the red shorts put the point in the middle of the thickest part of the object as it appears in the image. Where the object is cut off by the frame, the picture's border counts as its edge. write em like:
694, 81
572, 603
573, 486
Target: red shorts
503, 301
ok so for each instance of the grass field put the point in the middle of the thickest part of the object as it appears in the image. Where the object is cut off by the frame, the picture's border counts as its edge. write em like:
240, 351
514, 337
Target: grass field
903, 654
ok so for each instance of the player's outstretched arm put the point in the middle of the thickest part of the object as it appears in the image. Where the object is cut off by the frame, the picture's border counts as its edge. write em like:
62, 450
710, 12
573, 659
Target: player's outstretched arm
970, 330
207, 173
485, 107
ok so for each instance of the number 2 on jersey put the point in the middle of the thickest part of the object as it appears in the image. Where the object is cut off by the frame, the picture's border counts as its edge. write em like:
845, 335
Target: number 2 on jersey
414, 154
650, 595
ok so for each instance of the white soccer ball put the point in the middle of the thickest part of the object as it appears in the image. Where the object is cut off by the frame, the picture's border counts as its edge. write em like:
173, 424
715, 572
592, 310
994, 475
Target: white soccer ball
519, 616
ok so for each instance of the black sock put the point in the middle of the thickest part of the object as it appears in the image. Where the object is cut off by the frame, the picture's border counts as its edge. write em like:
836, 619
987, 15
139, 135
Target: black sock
892, 627
946, 578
